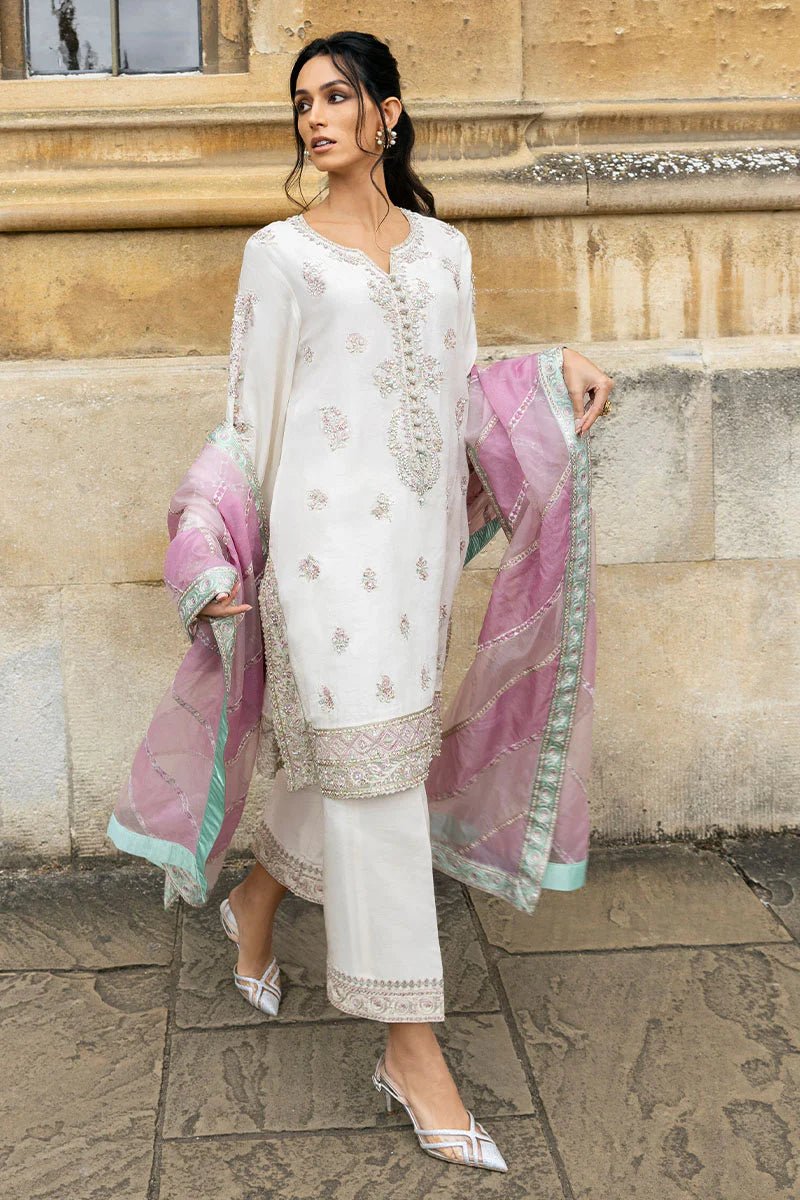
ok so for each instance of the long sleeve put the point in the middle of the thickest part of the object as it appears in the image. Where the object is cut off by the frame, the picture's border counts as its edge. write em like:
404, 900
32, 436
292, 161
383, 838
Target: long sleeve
264, 339
467, 333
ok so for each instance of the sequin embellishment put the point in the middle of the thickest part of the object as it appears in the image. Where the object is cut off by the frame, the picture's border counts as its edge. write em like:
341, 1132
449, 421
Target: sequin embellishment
325, 698
313, 277
385, 689
340, 639
369, 579
335, 426
382, 507
316, 499
422, 567
356, 343
309, 567
450, 339
243, 313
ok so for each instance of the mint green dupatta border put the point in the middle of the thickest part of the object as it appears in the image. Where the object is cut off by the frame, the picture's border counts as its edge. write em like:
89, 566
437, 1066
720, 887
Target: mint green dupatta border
192, 866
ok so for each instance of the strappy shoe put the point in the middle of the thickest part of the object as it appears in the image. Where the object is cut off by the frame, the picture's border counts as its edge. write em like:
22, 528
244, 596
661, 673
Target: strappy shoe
477, 1148
263, 993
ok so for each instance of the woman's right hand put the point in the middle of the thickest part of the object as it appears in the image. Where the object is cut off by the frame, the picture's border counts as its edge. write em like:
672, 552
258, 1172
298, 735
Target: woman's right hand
226, 606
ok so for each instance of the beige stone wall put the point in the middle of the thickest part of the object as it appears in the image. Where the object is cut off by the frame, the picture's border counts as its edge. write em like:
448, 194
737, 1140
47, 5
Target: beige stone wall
627, 174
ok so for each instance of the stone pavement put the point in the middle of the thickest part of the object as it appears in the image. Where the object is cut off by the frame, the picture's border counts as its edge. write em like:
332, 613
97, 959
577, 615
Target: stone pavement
637, 1039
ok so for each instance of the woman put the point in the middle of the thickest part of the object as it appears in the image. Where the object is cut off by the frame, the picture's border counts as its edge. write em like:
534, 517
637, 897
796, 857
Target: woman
353, 339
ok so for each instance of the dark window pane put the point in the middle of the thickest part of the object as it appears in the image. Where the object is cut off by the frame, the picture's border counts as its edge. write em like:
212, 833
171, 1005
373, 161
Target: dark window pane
69, 35
159, 35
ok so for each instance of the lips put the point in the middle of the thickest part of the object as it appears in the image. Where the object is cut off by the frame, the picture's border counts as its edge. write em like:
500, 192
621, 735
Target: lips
323, 142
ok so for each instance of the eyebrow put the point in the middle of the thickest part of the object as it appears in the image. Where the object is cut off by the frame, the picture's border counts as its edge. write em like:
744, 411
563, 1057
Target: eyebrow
305, 92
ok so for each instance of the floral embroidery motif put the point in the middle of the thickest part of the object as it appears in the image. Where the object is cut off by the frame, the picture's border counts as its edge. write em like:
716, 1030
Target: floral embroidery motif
308, 354
325, 698
335, 426
442, 612
461, 408
422, 567
382, 507
313, 277
415, 440
267, 234
450, 339
340, 639
452, 267
462, 545
356, 343
369, 579
243, 313
316, 499
405, 625
309, 567
385, 689
464, 483
425, 677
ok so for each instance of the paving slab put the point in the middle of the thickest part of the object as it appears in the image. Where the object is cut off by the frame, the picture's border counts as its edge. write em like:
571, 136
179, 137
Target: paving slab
83, 1056
383, 1163
772, 864
318, 1076
637, 896
111, 917
207, 998
667, 1073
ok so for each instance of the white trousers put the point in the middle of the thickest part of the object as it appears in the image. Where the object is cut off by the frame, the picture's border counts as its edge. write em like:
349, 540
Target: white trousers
368, 862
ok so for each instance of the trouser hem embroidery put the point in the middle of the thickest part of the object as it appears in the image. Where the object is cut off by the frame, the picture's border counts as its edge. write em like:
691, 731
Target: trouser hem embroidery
386, 999
300, 876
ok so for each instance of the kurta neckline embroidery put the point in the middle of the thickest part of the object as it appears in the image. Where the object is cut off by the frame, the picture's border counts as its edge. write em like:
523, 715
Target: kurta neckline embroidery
353, 252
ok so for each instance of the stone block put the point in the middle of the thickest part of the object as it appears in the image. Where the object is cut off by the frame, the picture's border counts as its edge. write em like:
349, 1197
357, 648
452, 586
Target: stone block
681, 49
383, 1162
666, 1072
771, 866
34, 783
122, 647
270, 1079
99, 918
636, 896
83, 1056
207, 998
756, 452
125, 432
697, 709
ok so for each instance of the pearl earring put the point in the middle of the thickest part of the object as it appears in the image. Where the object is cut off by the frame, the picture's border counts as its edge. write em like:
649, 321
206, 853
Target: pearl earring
392, 137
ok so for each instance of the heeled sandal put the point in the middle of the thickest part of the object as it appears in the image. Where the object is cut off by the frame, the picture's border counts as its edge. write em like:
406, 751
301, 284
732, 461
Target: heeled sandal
478, 1148
263, 993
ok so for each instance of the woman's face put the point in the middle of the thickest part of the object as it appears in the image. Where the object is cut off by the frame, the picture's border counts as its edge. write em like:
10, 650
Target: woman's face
327, 107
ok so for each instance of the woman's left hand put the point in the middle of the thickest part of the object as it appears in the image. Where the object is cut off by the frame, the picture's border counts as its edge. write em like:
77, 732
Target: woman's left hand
582, 377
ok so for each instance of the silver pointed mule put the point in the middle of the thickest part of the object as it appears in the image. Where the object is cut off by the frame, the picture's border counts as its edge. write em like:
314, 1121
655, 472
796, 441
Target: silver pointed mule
478, 1148
263, 993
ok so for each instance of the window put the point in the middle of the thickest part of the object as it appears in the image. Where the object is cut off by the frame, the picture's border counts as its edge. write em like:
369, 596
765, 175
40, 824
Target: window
121, 37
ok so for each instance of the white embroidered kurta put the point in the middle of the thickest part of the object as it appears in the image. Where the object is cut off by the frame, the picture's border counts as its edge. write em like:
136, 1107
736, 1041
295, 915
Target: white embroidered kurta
349, 386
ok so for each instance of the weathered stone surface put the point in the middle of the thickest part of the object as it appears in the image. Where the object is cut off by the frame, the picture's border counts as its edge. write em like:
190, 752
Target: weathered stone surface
698, 698
34, 782
652, 483
126, 433
668, 1073
111, 917
271, 1079
681, 49
122, 647
772, 866
756, 452
385, 1163
208, 998
637, 896
83, 1057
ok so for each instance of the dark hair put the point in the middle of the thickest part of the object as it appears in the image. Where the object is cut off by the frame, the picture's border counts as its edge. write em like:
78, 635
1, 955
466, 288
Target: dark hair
370, 67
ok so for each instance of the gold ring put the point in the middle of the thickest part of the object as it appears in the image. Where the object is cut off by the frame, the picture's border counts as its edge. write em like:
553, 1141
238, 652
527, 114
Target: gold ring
606, 407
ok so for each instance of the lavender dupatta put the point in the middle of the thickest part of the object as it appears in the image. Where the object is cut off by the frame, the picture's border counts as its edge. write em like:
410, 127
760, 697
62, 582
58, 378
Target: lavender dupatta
507, 792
